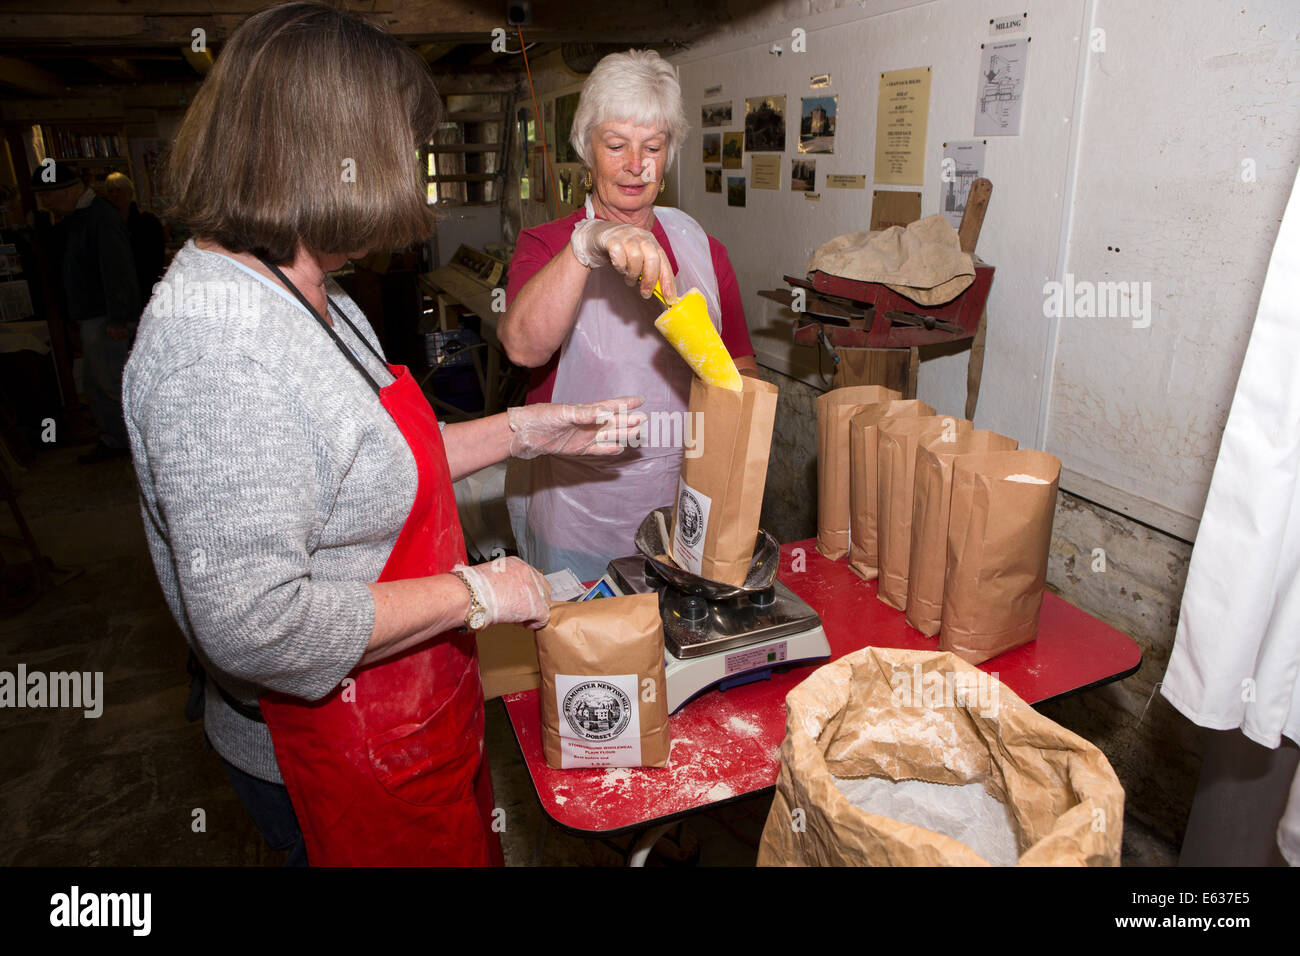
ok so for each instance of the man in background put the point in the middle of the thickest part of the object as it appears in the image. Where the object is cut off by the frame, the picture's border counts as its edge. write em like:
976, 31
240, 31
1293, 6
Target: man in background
101, 294
144, 230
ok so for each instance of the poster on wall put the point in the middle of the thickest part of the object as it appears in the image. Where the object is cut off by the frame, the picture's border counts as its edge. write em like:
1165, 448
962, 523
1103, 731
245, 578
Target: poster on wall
565, 107
712, 147
715, 114
765, 124
1001, 87
735, 190
732, 150
765, 172
901, 116
963, 163
803, 175
713, 180
817, 124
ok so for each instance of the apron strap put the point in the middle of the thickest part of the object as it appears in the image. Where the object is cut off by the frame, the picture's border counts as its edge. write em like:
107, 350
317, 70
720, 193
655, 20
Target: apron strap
342, 346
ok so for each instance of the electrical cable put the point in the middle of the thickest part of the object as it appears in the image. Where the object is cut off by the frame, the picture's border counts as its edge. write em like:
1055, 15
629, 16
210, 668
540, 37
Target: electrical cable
541, 126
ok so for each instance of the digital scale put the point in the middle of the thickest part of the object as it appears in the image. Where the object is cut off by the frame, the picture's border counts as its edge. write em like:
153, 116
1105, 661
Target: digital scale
720, 642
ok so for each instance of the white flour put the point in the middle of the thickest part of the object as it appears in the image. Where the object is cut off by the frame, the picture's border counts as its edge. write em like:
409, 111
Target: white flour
968, 814
1026, 479
742, 726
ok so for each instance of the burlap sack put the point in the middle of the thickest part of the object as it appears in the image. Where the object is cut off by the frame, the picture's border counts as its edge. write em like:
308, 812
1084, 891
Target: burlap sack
864, 494
603, 694
720, 494
834, 409
931, 498
999, 533
925, 715
899, 441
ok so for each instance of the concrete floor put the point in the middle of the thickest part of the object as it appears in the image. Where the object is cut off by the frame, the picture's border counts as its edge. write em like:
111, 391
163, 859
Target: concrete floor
124, 789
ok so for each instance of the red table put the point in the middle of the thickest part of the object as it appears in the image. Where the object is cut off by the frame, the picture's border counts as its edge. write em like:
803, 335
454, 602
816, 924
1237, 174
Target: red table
726, 743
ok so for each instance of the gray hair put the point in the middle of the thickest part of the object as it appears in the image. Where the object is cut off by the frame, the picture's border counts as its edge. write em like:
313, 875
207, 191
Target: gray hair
637, 87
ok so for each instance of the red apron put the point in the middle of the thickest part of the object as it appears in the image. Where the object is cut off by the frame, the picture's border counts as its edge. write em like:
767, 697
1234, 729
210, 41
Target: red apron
391, 770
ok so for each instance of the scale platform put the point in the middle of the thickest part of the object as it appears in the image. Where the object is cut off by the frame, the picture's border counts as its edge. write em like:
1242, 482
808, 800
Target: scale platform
723, 642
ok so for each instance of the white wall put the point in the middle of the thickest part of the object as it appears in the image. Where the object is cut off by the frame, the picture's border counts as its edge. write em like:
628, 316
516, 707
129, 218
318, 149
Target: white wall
1181, 94
777, 231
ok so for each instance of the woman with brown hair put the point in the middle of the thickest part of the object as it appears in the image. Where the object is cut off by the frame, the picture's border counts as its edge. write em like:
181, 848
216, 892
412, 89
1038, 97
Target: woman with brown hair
296, 487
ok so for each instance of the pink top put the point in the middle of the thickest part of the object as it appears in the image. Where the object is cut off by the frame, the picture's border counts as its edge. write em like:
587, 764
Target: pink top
540, 244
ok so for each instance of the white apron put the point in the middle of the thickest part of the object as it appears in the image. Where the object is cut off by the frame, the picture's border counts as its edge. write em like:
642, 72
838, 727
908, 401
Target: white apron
582, 512
1236, 655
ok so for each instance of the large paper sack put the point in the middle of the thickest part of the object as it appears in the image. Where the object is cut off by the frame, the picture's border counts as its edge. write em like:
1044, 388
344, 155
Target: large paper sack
603, 695
864, 490
898, 715
931, 497
834, 409
999, 534
720, 495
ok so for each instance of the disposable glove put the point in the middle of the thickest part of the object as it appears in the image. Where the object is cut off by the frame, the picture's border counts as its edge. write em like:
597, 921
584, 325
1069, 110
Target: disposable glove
600, 428
511, 592
633, 252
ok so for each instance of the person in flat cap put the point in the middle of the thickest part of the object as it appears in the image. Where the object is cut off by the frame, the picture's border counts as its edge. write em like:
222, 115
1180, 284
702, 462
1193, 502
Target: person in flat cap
97, 276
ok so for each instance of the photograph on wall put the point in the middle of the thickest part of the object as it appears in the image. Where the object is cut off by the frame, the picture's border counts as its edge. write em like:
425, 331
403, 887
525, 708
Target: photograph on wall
1001, 88
963, 163
817, 124
765, 124
803, 175
732, 150
735, 190
712, 147
713, 180
565, 107
715, 114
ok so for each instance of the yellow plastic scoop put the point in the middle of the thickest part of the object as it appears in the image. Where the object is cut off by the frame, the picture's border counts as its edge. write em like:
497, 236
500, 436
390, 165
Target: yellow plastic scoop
687, 327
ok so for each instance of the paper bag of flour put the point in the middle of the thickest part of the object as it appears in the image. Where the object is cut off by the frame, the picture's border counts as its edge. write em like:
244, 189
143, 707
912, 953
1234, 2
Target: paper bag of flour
999, 534
864, 494
603, 696
931, 497
899, 441
720, 494
916, 758
834, 409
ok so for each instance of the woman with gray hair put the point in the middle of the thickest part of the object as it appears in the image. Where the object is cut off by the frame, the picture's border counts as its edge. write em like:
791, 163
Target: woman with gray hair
580, 314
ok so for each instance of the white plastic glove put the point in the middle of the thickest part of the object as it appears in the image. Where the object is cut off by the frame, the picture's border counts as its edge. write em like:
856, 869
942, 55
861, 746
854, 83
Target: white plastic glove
632, 251
511, 591
600, 428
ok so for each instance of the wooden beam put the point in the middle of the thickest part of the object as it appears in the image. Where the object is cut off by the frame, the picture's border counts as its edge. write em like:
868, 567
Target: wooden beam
117, 67
28, 78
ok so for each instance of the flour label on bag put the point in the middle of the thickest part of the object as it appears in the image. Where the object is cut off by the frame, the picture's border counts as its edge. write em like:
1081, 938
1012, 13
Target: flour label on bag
691, 527
600, 722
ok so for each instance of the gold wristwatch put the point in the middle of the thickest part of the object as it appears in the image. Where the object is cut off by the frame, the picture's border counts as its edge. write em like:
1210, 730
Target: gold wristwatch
476, 619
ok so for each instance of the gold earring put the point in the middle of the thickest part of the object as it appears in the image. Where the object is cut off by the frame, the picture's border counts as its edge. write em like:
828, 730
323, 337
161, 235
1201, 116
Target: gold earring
661, 185
586, 180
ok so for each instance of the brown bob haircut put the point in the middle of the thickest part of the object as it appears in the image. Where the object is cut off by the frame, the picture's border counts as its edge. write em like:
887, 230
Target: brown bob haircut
306, 130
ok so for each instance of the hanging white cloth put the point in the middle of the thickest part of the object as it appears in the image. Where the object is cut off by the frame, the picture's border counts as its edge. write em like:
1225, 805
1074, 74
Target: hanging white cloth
582, 512
1236, 656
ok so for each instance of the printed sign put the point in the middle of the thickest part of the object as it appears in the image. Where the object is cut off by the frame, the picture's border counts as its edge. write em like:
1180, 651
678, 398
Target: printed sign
600, 722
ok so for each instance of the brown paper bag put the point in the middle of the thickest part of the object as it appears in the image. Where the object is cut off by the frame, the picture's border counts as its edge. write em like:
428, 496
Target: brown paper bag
931, 496
834, 409
999, 533
928, 718
720, 494
864, 495
898, 444
603, 692
507, 659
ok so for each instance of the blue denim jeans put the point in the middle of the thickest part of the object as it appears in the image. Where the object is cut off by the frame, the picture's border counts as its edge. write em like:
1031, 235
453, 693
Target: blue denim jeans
105, 358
